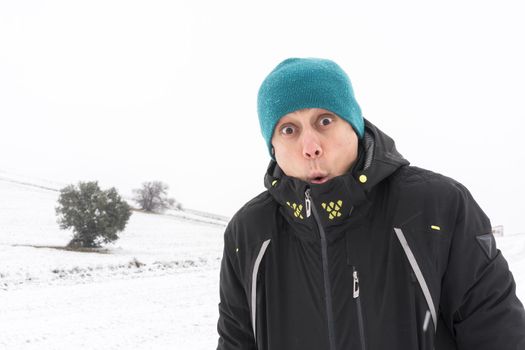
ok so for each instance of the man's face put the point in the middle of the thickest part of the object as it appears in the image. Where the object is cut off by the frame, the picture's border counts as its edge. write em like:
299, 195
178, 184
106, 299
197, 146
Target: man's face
314, 145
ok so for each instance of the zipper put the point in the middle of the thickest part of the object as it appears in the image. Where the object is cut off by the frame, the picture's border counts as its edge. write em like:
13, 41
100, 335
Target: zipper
310, 208
359, 308
308, 202
356, 284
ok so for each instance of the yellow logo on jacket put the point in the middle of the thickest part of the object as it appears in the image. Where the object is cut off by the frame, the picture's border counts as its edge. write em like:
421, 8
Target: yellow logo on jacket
333, 209
297, 209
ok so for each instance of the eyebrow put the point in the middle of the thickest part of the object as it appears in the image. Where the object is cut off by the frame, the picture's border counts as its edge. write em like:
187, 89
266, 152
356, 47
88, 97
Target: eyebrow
281, 122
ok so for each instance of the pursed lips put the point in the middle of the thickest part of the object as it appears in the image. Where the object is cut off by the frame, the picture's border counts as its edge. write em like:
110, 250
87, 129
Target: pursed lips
318, 178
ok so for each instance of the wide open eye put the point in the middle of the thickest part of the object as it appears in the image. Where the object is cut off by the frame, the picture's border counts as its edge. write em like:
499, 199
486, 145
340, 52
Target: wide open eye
326, 120
287, 130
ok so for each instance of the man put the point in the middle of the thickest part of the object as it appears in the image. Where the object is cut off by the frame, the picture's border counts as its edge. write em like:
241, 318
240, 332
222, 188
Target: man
352, 248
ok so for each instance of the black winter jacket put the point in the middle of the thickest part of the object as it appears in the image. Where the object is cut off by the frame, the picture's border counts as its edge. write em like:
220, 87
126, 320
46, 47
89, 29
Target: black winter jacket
387, 256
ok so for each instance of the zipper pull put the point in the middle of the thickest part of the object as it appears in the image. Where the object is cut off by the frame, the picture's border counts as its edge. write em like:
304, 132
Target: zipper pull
308, 202
356, 284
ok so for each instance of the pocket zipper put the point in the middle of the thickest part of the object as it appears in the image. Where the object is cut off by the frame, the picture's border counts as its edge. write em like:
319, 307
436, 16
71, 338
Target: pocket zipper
359, 309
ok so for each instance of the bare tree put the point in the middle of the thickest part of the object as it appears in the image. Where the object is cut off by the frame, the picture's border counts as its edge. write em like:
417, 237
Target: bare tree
153, 197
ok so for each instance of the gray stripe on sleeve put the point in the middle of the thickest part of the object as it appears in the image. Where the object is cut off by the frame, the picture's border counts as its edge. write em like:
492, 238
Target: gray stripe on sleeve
254, 283
419, 274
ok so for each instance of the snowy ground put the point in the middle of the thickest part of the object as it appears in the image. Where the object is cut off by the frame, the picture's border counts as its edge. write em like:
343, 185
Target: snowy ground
171, 311
155, 288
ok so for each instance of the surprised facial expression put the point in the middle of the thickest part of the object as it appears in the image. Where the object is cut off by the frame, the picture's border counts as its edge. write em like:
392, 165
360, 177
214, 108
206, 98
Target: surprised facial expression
314, 145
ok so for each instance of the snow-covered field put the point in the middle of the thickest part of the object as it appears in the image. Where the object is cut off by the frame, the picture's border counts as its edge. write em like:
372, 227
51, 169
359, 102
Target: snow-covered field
155, 288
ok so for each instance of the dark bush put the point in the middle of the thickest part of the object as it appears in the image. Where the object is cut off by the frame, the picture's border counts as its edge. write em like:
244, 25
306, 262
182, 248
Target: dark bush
95, 216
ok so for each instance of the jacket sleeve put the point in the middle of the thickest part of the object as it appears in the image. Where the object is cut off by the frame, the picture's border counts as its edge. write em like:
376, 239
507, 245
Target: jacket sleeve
234, 325
478, 302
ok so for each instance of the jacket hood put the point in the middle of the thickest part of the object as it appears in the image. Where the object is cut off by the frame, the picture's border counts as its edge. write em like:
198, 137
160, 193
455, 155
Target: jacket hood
337, 198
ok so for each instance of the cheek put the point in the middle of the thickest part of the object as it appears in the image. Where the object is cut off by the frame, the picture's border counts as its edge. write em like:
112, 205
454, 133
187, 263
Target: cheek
344, 144
284, 156
283, 149
290, 160
345, 149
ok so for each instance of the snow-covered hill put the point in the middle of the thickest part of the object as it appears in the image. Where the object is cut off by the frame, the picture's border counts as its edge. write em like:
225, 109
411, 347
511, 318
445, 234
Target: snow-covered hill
155, 288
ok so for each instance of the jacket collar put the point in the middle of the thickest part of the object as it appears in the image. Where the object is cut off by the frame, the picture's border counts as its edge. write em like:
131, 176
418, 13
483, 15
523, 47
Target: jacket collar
344, 197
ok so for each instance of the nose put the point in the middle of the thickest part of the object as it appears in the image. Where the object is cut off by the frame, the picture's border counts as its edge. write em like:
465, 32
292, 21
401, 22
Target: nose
311, 146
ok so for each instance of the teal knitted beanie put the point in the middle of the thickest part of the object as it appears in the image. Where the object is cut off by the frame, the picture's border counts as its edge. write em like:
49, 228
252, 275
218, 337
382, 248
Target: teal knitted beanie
298, 83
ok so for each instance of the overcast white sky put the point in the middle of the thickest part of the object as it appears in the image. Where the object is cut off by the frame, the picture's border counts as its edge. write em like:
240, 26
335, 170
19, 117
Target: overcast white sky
129, 91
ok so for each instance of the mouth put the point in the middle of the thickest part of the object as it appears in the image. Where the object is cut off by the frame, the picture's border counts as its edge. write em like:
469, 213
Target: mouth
318, 179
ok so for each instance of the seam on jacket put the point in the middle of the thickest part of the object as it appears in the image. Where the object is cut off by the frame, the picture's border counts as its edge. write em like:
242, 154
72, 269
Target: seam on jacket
419, 274
254, 283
